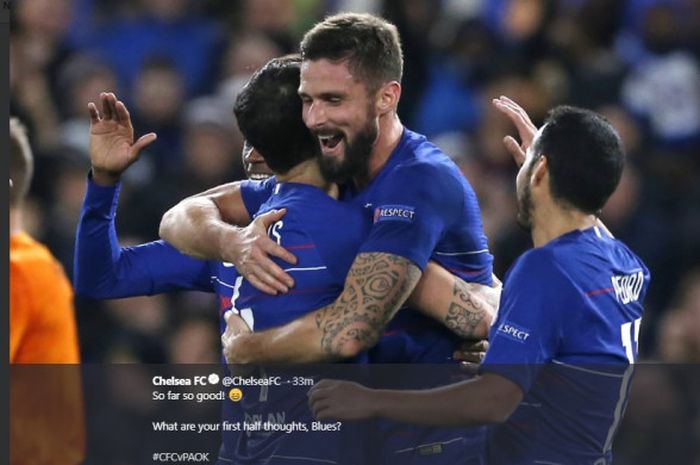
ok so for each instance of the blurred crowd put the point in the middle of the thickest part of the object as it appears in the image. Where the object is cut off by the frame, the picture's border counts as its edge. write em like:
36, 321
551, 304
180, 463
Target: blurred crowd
178, 65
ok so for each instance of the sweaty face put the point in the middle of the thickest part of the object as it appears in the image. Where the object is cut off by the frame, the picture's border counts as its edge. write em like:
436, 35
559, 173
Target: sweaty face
338, 110
254, 163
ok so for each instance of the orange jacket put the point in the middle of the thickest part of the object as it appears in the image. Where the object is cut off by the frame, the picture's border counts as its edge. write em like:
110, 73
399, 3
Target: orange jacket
42, 317
46, 405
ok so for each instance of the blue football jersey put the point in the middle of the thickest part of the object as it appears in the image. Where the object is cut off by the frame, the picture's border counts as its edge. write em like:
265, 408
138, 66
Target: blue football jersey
325, 235
567, 334
421, 207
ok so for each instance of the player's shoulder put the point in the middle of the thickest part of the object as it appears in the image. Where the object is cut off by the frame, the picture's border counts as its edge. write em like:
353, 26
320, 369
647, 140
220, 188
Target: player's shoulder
28, 253
427, 170
537, 260
547, 264
424, 157
32, 264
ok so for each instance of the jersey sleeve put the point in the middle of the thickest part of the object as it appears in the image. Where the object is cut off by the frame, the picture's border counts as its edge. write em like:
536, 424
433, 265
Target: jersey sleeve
414, 207
104, 270
255, 193
527, 332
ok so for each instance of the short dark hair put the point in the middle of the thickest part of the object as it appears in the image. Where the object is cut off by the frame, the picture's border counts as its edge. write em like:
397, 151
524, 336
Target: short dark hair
584, 155
369, 43
268, 111
21, 162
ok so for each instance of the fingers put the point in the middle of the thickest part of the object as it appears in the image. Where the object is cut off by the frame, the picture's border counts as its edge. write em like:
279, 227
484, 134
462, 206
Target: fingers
120, 111
278, 251
142, 142
94, 113
260, 285
107, 107
272, 217
472, 351
267, 271
515, 112
469, 368
515, 150
318, 398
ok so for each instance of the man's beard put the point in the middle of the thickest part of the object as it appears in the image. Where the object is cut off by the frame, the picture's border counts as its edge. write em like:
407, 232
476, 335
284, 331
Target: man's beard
524, 217
525, 207
356, 161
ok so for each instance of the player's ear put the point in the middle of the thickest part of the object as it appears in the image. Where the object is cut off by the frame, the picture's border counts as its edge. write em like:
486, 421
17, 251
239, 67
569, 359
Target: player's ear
539, 173
388, 97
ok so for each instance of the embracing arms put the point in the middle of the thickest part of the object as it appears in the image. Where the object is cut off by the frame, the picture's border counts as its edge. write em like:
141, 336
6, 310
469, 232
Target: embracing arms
376, 287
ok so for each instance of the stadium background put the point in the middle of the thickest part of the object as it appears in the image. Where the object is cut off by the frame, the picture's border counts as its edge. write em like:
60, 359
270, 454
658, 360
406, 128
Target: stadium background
179, 63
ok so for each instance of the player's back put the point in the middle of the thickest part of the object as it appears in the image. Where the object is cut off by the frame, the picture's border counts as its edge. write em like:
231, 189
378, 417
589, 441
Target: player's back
324, 235
577, 384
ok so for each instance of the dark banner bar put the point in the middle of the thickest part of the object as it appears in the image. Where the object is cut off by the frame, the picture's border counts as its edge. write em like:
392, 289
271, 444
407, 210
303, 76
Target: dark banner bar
147, 414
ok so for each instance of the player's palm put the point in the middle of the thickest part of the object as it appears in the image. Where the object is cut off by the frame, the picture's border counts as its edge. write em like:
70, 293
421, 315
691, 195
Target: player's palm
112, 146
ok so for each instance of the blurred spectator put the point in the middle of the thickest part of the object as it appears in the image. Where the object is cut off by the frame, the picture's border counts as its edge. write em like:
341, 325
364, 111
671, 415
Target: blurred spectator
663, 89
245, 53
159, 96
81, 79
212, 144
167, 28
37, 48
680, 329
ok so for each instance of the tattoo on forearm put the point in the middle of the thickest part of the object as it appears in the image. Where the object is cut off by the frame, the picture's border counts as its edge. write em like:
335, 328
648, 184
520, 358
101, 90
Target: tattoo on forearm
376, 287
465, 312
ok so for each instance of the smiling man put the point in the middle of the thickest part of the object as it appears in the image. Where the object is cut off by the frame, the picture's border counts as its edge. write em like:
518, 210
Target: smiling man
556, 376
417, 202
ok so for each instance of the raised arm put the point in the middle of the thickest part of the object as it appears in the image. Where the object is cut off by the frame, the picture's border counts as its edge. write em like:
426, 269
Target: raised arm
376, 287
102, 268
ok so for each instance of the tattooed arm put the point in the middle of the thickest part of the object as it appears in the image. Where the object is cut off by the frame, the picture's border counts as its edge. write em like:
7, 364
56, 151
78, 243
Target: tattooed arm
467, 309
375, 288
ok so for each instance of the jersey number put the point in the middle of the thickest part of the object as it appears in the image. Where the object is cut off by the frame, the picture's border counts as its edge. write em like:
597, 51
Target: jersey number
630, 338
246, 313
274, 231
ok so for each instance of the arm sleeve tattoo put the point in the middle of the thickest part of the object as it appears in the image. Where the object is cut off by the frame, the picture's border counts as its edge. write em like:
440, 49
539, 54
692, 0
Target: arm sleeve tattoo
376, 287
465, 311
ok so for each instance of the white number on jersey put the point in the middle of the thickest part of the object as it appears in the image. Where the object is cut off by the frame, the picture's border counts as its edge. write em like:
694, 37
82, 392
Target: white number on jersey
630, 332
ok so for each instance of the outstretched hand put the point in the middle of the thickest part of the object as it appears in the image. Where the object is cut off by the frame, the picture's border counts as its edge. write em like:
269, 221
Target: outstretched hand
112, 146
340, 400
523, 123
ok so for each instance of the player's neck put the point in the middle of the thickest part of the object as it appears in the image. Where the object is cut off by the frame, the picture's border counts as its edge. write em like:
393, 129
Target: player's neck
308, 172
16, 223
553, 221
390, 132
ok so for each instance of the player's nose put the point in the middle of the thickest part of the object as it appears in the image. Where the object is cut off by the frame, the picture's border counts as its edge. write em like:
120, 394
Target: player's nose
314, 116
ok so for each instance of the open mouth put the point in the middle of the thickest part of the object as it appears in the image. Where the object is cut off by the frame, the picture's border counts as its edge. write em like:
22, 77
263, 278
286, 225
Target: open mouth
258, 176
330, 141
257, 171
